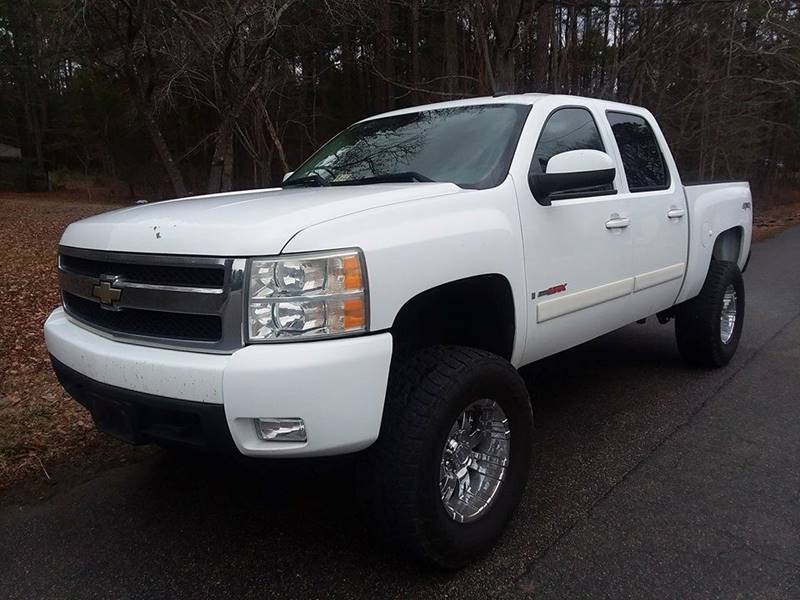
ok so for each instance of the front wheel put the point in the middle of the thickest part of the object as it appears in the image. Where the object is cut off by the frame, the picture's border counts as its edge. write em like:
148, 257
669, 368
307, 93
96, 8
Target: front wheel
452, 459
709, 326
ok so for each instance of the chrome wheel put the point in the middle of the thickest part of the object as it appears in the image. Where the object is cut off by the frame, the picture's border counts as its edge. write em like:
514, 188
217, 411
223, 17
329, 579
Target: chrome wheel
727, 319
474, 460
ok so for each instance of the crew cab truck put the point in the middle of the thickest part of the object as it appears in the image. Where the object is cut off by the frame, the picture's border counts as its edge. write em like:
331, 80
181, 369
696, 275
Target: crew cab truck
382, 299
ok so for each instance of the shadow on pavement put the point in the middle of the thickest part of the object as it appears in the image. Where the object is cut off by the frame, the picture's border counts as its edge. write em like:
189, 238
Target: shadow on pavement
300, 519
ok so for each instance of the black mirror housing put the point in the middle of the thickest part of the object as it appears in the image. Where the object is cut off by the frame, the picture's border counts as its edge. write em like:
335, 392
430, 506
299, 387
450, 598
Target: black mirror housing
543, 185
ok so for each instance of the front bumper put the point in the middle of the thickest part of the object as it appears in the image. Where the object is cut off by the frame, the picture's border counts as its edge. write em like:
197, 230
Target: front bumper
140, 418
336, 386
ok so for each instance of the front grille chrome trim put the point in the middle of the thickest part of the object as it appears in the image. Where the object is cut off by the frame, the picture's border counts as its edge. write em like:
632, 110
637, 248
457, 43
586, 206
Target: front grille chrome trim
164, 260
170, 288
173, 299
226, 302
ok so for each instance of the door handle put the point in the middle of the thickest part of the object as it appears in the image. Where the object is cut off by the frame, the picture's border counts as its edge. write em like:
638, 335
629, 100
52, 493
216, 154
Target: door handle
675, 213
617, 222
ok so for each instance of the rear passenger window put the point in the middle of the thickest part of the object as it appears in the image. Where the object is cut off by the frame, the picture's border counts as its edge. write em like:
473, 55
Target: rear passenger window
645, 168
566, 129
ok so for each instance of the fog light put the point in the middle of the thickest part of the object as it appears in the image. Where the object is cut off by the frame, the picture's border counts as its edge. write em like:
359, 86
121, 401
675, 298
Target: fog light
281, 430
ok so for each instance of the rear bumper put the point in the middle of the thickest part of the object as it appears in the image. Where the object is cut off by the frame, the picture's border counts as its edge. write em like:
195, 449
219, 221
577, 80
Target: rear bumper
336, 386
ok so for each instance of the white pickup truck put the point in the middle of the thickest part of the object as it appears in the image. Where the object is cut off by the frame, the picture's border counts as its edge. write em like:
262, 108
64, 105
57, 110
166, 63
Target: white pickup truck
382, 299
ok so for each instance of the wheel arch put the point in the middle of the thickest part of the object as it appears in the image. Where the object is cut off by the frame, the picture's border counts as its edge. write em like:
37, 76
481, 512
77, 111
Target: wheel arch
728, 246
446, 314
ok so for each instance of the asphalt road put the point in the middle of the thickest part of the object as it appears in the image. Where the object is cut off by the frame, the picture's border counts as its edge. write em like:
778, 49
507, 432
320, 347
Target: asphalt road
654, 480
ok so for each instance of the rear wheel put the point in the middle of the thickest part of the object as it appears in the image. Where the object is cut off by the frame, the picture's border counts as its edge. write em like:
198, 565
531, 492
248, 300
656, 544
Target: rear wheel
452, 459
709, 326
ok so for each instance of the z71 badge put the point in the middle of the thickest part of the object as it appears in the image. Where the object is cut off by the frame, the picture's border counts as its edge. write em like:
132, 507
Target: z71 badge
556, 289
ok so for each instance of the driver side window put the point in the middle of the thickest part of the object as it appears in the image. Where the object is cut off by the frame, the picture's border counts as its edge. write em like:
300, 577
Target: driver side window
567, 129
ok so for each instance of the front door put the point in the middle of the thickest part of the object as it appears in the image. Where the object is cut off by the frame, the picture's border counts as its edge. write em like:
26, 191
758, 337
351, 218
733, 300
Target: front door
578, 250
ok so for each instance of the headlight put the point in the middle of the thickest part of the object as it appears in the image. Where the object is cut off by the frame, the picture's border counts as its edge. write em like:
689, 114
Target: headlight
312, 295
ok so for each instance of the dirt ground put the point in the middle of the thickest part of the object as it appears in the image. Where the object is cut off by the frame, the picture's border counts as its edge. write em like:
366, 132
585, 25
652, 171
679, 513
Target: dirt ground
45, 437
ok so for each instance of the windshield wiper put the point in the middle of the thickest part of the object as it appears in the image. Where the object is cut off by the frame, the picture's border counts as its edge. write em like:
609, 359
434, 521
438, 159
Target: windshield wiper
405, 176
313, 180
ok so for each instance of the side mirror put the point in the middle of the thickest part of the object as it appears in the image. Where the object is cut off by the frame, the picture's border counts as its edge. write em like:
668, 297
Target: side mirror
572, 170
285, 177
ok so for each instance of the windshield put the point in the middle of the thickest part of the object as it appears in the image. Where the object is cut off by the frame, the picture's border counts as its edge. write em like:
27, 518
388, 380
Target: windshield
470, 146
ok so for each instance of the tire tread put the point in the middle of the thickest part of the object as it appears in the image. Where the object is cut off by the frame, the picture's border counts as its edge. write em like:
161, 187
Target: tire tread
417, 384
697, 321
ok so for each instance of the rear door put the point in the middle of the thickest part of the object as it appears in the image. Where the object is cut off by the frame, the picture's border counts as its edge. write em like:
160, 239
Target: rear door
657, 207
578, 251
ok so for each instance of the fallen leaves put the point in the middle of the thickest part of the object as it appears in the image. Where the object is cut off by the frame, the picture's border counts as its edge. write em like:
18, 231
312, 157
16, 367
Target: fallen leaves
771, 221
39, 423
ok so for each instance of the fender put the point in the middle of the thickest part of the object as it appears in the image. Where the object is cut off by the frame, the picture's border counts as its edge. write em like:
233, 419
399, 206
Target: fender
713, 210
416, 246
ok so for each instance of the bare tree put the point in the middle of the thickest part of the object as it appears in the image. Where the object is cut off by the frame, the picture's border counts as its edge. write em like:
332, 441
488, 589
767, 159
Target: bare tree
498, 26
230, 47
126, 38
232, 93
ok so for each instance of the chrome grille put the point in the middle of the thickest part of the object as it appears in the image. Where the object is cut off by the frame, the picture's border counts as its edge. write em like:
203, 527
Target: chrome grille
182, 302
212, 276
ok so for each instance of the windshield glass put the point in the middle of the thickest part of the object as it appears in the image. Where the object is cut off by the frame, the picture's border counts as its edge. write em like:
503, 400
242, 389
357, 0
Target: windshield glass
470, 146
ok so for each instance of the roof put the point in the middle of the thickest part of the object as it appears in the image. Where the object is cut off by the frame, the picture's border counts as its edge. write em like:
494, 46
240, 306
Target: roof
529, 99
501, 99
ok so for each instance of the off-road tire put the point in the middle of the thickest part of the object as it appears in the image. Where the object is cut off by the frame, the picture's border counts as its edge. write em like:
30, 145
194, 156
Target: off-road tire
427, 391
697, 322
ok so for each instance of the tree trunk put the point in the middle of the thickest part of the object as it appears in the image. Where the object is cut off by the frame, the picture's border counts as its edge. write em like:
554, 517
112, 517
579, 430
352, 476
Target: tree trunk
227, 168
504, 64
586, 58
276, 141
348, 64
388, 57
544, 27
572, 49
221, 155
415, 70
451, 48
482, 35
604, 60
555, 55
164, 154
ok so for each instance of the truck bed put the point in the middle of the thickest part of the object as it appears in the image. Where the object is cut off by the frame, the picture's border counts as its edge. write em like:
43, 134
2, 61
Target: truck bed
713, 208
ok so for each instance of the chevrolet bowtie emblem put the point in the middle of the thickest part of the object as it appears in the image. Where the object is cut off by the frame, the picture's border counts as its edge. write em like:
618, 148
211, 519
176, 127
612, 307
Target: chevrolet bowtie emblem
107, 293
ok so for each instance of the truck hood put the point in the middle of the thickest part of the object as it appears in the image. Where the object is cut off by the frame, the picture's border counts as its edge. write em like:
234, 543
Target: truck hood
250, 223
